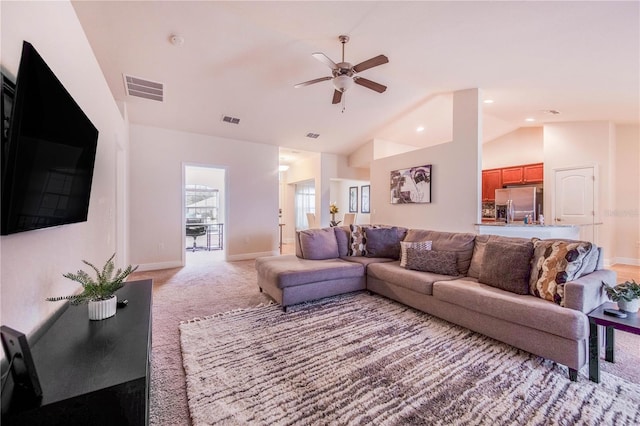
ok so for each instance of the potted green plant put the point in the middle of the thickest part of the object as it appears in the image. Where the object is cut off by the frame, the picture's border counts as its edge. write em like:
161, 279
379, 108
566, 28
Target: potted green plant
98, 293
627, 295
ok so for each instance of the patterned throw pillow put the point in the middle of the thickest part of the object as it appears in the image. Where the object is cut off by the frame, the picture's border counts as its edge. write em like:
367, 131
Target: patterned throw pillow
554, 264
421, 245
439, 262
358, 241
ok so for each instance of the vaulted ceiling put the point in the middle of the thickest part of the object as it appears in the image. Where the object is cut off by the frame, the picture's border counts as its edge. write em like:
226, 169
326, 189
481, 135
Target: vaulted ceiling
242, 59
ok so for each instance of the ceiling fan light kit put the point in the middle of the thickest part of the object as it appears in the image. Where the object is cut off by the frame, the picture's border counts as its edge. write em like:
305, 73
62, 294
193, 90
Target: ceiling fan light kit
343, 74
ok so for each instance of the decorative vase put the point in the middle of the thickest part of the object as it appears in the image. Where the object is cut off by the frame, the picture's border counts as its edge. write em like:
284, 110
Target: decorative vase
632, 306
102, 309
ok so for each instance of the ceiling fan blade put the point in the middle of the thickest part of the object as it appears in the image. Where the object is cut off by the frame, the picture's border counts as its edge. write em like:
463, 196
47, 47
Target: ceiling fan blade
325, 60
370, 84
337, 97
317, 80
370, 63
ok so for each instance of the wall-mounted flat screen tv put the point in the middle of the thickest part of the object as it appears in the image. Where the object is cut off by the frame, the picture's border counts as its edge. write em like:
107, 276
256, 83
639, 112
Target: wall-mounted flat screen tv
49, 152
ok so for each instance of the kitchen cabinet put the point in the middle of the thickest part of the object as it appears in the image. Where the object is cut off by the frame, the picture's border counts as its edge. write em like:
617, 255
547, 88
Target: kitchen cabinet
518, 175
533, 173
491, 180
512, 175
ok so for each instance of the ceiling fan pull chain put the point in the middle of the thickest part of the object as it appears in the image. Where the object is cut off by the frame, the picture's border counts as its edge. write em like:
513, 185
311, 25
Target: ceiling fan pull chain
344, 102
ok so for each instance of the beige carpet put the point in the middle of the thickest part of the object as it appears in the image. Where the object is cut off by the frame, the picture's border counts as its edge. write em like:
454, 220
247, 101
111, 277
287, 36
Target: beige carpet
362, 359
205, 287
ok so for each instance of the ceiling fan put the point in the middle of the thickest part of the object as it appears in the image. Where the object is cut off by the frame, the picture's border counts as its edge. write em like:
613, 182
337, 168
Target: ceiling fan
344, 74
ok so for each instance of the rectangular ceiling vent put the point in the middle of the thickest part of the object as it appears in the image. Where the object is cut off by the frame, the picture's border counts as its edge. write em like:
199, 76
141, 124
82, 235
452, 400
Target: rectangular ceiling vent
142, 88
232, 120
313, 135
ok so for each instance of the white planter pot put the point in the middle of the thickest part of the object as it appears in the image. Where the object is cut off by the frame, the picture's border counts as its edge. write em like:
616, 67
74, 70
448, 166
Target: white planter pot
632, 306
102, 309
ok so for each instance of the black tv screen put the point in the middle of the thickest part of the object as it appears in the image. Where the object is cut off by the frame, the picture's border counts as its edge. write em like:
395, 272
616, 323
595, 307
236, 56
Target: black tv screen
49, 155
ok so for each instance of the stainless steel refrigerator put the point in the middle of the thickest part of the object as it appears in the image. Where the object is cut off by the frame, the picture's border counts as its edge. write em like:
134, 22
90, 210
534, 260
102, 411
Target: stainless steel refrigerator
525, 200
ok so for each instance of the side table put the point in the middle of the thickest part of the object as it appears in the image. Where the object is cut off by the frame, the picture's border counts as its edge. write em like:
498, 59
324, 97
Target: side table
630, 324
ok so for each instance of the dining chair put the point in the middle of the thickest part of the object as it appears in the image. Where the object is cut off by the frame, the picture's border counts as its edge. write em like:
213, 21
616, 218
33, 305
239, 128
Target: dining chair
311, 220
349, 219
195, 232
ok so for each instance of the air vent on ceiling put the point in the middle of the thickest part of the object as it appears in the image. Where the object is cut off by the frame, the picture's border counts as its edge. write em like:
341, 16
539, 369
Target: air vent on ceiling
313, 135
142, 88
229, 119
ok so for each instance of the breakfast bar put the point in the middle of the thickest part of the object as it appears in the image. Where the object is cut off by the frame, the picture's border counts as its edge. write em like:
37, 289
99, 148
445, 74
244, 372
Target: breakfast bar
519, 229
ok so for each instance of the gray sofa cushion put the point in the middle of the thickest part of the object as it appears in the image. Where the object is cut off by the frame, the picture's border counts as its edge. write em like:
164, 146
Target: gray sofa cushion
461, 243
382, 242
478, 250
319, 244
436, 261
507, 266
525, 310
393, 273
290, 270
343, 234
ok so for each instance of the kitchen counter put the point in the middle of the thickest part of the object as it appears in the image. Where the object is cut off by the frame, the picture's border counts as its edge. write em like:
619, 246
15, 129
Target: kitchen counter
519, 229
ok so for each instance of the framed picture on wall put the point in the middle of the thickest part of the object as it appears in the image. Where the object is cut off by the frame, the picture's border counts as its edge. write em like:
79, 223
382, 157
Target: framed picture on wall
353, 199
411, 186
365, 206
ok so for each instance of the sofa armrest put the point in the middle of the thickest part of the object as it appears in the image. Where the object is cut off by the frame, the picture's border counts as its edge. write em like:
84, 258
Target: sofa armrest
585, 293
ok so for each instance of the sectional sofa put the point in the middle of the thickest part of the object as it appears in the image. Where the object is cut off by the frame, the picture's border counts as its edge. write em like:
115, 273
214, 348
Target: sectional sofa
532, 294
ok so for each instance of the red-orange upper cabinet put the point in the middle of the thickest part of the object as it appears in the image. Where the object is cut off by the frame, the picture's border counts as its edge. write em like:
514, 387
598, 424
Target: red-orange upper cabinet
512, 175
533, 173
491, 180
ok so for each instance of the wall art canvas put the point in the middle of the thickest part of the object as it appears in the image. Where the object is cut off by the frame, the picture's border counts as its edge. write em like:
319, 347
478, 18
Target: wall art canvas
411, 186
353, 199
365, 206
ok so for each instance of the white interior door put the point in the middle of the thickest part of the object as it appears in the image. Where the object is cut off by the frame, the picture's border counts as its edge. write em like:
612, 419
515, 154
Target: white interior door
574, 201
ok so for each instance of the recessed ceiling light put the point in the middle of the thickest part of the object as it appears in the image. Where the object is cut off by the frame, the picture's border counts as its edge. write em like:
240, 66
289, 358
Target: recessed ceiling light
488, 101
420, 129
530, 119
283, 168
176, 40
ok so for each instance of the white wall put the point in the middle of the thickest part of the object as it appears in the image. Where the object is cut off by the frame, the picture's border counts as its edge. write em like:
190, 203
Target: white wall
33, 262
568, 145
157, 160
522, 146
626, 209
455, 186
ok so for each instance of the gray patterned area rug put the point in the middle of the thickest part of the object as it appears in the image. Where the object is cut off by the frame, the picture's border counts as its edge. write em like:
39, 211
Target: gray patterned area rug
361, 359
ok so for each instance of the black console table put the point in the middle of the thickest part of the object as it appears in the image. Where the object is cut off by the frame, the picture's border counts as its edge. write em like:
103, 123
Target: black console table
93, 372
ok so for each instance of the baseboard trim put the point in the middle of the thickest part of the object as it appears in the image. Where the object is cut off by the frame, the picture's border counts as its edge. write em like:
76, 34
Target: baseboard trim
250, 256
160, 265
626, 261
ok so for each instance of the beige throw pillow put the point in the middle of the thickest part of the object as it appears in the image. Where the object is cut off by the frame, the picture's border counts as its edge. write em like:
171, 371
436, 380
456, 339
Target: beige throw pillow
404, 245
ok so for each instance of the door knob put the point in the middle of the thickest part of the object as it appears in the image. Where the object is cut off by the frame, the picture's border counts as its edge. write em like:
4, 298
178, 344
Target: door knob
558, 219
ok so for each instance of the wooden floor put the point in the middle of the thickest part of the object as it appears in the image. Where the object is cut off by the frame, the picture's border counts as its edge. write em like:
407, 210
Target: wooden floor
626, 272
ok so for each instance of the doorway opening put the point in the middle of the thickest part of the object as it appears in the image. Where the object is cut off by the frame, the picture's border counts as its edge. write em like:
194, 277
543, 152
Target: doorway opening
204, 200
